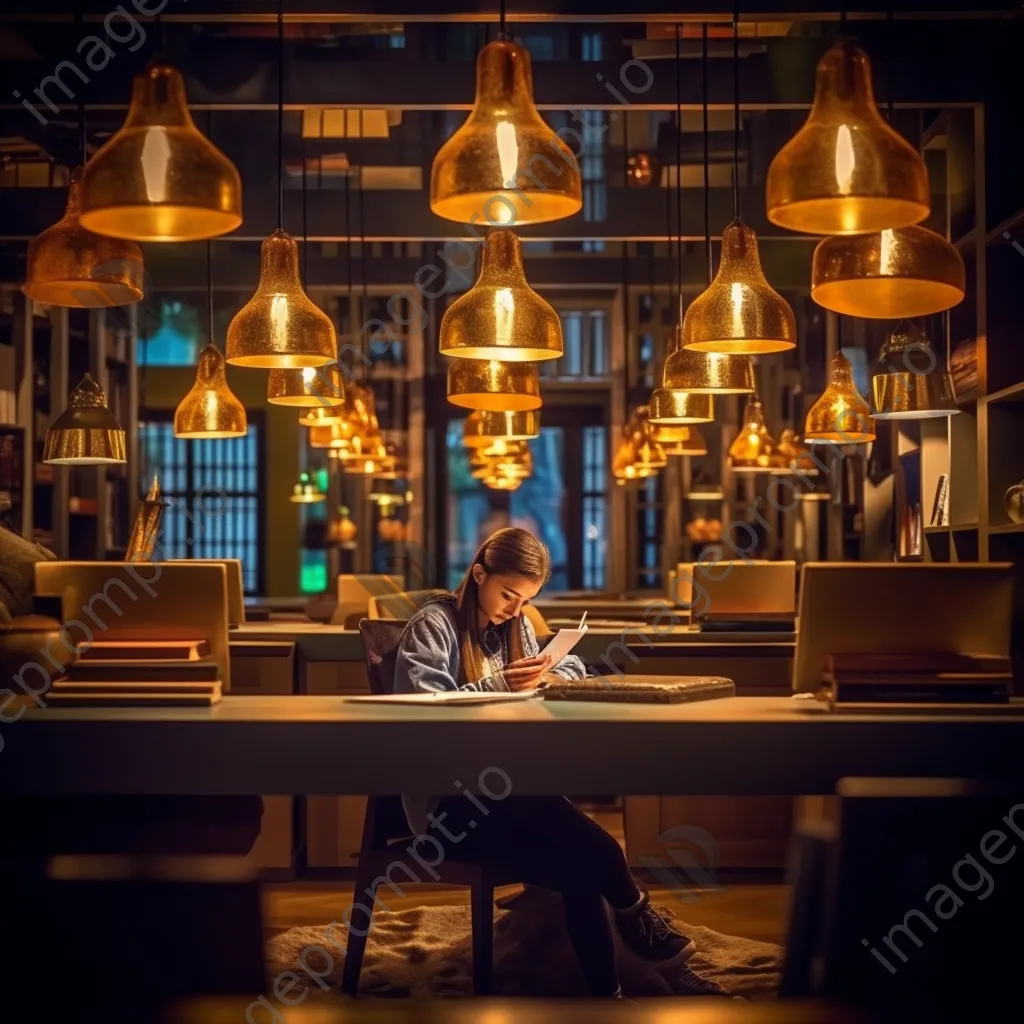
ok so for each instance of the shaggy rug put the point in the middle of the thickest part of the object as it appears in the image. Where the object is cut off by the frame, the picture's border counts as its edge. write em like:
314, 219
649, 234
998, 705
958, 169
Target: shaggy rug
427, 953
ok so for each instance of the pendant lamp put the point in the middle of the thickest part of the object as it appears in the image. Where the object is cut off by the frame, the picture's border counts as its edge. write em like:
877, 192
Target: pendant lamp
68, 265
280, 326
306, 491
912, 382
754, 450
846, 171
481, 429
330, 435
680, 408
708, 373
325, 416
158, 178
888, 275
85, 433
739, 313
491, 385
680, 441
840, 416
210, 409
312, 387
500, 447
795, 456
640, 430
500, 482
501, 317
505, 164
626, 463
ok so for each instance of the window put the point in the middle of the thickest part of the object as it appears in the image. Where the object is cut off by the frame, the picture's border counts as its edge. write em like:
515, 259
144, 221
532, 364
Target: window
584, 345
172, 337
213, 487
595, 506
649, 532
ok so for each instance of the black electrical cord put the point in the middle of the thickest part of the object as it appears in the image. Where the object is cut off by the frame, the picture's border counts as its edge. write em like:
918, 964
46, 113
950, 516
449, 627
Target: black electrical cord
736, 114
625, 271
280, 114
209, 249
707, 164
305, 232
679, 168
350, 316
503, 29
364, 302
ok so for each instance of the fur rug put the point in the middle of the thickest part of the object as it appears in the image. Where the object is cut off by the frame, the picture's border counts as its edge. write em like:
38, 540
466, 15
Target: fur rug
427, 953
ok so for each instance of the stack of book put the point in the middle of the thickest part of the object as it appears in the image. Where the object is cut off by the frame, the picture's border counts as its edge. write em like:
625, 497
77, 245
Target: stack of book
125, 673
902, 681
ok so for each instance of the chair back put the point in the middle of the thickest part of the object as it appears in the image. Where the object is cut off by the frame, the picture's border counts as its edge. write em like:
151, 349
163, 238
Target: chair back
385, 818
403, 605
380, 648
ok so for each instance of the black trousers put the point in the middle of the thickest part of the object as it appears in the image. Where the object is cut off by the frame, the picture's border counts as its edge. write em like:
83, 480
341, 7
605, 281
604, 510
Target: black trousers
547, 841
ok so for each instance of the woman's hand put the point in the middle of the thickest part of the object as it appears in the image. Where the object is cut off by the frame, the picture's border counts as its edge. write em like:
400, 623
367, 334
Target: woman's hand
526, 673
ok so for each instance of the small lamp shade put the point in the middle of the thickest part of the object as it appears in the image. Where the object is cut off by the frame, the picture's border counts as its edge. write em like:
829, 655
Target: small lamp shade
158, 178
888, 275
482, 429
840, 416
912, 382
754, 450
280, 327
505, 164
493, 386
846, 171
306, 491
210, 409
68, 265
739, 313
85, 433
680, 408
311, 387
680, 441
501, 317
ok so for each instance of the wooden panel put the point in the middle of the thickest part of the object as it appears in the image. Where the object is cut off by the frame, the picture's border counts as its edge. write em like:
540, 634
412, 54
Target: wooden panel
275, 843
331, 678
334, 830
262, 667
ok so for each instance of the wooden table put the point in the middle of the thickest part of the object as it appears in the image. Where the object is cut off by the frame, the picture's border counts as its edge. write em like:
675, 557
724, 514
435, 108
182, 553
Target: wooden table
318, 745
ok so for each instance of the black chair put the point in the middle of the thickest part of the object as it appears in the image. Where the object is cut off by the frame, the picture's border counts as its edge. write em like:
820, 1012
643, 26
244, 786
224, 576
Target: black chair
386, 836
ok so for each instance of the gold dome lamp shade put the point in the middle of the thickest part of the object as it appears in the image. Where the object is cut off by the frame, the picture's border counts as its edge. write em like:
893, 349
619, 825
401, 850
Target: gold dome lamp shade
888, 275
846, 171
499, 449
676, 441
501, 317
310, 387
85, 433
912, 382
505, 164
482, 429
708, 373
158, 178
840, 415
517, 465
280, 327
306, 491
210, 409
680, 408
626, 464
754, 450
640, 431
795, 456
503, 482
493, 386
68, 265
330, 435
739, 313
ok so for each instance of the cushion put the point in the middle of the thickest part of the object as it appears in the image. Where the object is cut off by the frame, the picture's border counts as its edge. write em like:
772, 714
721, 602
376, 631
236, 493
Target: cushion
18, 559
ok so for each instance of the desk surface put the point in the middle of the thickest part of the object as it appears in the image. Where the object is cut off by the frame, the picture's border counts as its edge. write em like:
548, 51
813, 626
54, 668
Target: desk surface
308, 745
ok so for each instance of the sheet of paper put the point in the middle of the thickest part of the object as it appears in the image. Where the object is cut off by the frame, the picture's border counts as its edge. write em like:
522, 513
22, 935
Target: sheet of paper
446, 697
564, 641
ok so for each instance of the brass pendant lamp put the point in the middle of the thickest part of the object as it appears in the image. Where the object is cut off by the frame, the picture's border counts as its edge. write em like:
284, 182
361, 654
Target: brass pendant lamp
680, 441
158, 178
68, 265
210, 409
754, 450
795, 456
505, 165
739, 313
640, 431
309, 387
490, 385
85, 433
912, 382
707, 373
482, 429
840, 415
280, 327
330, 435
502, 482
846, 171
306, 491
501, 317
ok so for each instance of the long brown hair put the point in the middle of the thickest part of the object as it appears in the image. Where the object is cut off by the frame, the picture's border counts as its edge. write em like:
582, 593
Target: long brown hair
509, 552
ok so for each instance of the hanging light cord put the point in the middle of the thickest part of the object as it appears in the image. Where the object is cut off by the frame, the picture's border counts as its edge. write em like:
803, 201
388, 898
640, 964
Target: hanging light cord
503, 28
889, 94
364, 302
280, 114
305, 233
350, 319
625, 271
679, 173
707, 165
736, 115
81, 100
209, 285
